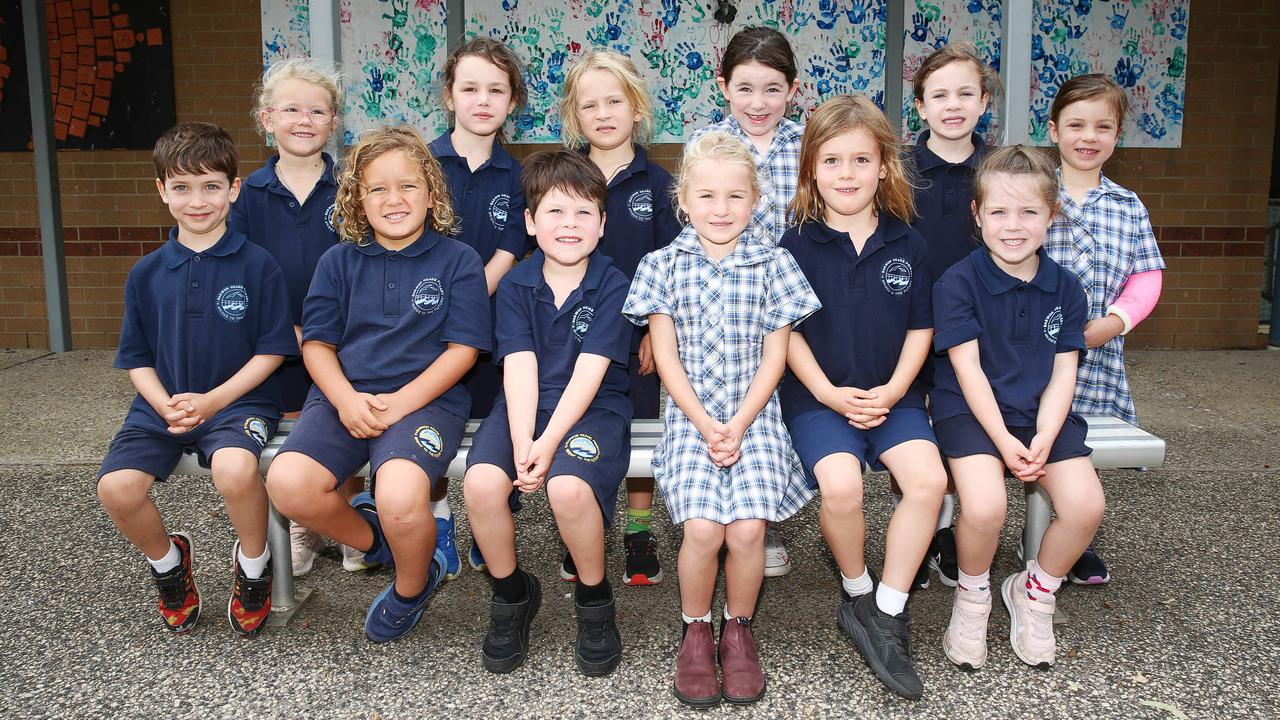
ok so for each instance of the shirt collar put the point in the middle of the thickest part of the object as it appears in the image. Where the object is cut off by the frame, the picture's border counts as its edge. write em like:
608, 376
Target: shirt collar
175, 253
529, 272
786, 131
266, 176
427, 240
998, 281
753, 246
442, 147
927, 159
888, 229
1104, 188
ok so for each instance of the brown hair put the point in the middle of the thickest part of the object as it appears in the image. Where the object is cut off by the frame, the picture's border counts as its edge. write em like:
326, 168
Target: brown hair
194, 148
496, 53
1018, 160
835, 117
633, 86
1088, 87
956, 52
566, 170
306, 70
759, 44
352, 223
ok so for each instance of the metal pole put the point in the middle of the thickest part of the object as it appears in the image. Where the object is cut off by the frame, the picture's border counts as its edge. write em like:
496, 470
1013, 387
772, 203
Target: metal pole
34, 33
894, 44
1015, 71
326, 33
455, 24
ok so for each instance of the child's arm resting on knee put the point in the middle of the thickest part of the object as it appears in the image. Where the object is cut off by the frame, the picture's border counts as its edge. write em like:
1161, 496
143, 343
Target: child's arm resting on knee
982, 403
805, 367
588, 372
520, 387
355, 409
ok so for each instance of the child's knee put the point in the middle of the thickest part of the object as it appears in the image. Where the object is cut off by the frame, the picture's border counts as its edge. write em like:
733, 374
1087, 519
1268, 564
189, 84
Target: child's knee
842, 499
124, 489
1086, 508
235, 472
567, 493
485, 488
984, 517
930, 484
705, 534
291, 486
745, 535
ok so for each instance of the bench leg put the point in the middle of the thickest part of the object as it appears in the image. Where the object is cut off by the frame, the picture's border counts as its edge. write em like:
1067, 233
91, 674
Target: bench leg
1039, 513
286, 600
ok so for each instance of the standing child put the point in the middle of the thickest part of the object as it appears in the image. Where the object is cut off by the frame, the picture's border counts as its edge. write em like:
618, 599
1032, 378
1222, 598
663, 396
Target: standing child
1103, 235
483, 86
853, 397
720, 301
204, 328
395, 316
563, 419
287, 207
606, 112
1011, 321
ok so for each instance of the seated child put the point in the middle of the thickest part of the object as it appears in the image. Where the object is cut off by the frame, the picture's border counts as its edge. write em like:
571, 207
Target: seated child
563, 419
206, 324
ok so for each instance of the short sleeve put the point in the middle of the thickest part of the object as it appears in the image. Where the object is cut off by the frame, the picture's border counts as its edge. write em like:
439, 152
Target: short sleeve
468, 322
650, 290
238, 220
515, 328
134, 350
955, 316
1075, 309
514, 239
275, 323
610, 334
1147, 255
790, 297
921, 290
324, 309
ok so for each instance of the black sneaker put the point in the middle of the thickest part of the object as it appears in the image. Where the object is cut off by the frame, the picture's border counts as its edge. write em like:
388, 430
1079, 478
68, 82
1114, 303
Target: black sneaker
1089, 569
507, 643
642, 559
885, 643
179, 597
942, 557
599, 647
568, 570
250, 602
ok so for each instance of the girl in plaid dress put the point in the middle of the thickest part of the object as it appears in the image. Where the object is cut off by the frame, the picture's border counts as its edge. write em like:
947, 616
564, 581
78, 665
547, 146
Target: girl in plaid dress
720, 301
1103, 235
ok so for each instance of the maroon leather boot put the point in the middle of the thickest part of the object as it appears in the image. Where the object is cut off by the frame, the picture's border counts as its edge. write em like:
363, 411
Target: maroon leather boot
696, 682
743, 676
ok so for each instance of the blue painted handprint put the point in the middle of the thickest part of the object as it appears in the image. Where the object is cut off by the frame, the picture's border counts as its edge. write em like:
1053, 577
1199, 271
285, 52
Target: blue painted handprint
921, 29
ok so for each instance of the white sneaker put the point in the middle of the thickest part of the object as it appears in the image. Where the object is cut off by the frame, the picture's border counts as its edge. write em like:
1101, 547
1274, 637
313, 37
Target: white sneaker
1030, 622
965, 642
304, 546
353, 559
777, 562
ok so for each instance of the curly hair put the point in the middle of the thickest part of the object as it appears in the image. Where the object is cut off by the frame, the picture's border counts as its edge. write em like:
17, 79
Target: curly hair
353, 224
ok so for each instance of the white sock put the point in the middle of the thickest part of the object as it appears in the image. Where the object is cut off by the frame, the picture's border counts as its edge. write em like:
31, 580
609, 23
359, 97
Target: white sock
254, 567
890, 601
1041, 584
860, 585
441, 508
705, 618
945, 512
171, 560
976, 583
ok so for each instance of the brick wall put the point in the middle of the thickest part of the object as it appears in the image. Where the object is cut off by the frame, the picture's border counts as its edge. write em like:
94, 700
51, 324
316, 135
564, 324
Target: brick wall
1207, 199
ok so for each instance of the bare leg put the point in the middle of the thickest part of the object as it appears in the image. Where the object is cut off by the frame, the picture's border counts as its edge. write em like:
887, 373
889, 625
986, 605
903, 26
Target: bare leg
581, 525
840, 514
304, 491
698, 565
912, 525
1079, 503
235, 475
486, 489
983, 504
126, 496
744, 566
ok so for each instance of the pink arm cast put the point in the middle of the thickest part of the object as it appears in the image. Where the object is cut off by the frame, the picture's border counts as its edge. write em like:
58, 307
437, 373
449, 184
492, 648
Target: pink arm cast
1139, 297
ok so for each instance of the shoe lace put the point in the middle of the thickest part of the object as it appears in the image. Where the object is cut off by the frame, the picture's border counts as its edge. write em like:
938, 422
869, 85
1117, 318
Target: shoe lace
639, 547
253, 593
972, 625
1040, 624
501, 628
173, 590
596, 631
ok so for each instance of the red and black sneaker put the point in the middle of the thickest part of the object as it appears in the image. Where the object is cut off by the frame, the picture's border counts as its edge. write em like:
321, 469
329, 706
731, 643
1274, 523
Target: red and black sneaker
250, 602
179, 598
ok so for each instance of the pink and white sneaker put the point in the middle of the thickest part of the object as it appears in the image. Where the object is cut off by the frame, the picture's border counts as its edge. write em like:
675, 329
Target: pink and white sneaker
965, 642
1030, 622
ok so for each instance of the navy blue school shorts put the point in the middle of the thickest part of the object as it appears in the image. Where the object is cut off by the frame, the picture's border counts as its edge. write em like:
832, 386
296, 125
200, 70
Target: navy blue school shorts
155, 451
962, 436
820, 433
596, 449
428, 437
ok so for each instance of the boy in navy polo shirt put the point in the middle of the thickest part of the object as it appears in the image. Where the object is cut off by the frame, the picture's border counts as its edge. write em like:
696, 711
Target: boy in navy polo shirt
563, 418
206, 324
1011, 321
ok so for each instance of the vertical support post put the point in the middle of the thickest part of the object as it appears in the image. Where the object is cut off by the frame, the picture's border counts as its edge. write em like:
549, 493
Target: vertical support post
286, 600
1015, 71
326, 32
455, 24
1039, 514
34, 33
1273, 237
894, 51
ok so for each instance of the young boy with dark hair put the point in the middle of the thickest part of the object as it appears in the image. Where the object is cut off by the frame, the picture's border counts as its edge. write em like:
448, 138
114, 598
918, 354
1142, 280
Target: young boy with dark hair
206, 324
563, 419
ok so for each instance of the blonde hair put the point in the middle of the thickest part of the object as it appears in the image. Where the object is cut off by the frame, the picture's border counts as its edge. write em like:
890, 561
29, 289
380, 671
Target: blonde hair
352, 223
714, 146
835, 117
305, 69
1018, 160
633, 86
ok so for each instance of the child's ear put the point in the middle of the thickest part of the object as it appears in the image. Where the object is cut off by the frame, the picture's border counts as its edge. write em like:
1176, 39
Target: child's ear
603, 217
919, 104
160, 189
795, 88
529, 228
986, 100
724, 86
1053, 132
235, 189
973, 208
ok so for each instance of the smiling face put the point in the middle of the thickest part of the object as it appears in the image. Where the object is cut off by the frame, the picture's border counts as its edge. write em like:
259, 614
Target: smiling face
604, 112
718, 197
480, 97
1086, 133
300, 118
848, 172
953, 100
758, 97
568, 227
199, 203
395, 199
1013, 218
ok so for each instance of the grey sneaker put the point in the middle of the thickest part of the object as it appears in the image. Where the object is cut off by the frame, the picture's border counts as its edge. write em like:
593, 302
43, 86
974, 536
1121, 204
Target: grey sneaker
777, 562
304, 547
1030, 622
965, 642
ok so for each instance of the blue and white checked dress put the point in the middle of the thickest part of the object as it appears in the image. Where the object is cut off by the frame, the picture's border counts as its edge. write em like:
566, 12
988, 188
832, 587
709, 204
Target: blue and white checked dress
1104, 240
722, 312
779, 169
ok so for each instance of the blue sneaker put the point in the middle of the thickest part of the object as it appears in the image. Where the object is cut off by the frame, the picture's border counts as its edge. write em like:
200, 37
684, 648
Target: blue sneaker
363, 503
475, 559
388, 618
445, 544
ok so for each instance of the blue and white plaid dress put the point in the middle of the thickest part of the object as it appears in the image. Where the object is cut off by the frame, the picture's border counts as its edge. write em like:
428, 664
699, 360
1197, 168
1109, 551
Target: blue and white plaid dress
1104, 240
779, 169
722, 312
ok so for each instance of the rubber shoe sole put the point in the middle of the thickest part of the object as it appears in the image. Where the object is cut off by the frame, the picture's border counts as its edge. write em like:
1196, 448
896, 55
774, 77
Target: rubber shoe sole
862, 640
964, 666
700, 703
640, 579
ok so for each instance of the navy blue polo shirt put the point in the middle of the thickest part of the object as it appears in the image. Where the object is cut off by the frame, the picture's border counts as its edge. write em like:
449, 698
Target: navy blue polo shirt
943, 203
197, 318
1020, 327
589, 321
488, 204
869, 302
391, 314
295, 233
640, 214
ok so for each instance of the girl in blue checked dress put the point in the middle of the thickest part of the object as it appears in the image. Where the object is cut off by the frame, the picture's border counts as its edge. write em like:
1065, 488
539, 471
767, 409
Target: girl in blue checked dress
720, 301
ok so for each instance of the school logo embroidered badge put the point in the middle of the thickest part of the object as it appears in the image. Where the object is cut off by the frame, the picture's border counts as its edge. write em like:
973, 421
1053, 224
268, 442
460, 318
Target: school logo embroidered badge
232, 303
498, 208
640, 205
896, 276
582, 321
582, 447
428, 296
256, 428
428, 438
1052, 324
331, 217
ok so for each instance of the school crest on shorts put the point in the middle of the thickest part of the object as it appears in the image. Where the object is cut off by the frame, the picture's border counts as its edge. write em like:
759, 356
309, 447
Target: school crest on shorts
1052, 324
232, 303
895, 275
582, 447
428, 438
582, 321
331, 217
640, 205
428, 296
499, 206
256, 428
